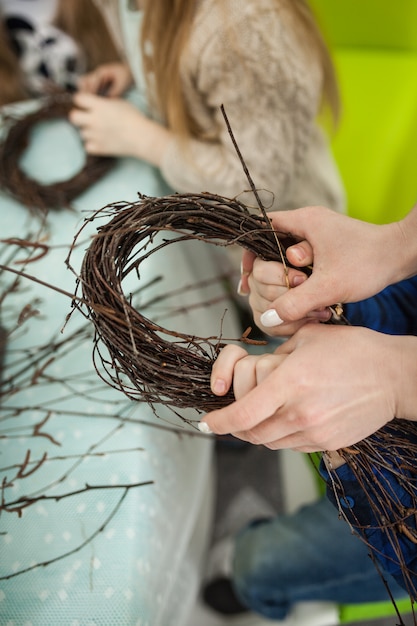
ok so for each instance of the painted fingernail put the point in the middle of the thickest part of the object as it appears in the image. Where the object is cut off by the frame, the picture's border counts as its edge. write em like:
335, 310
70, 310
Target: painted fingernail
243, 271
204, 428
270, 318
241, 291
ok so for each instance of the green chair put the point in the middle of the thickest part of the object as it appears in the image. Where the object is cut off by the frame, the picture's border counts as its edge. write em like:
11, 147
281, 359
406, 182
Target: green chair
374, 44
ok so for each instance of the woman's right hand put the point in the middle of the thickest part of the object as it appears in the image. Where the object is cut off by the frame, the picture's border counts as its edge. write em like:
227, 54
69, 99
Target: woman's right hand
110, 79
352, 260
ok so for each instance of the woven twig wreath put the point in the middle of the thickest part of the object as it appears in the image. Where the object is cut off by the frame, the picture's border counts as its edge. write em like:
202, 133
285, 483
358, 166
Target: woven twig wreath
29, 191
143, 362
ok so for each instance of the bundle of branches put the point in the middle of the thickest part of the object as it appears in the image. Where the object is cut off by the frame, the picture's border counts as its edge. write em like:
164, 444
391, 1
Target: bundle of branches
27, 190
150, 363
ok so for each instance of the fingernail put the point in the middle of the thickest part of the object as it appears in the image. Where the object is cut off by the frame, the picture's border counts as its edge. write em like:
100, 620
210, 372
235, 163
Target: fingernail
204, 428
270, 318
298, 280
240, 290
298, 253
323, 316
219, 386
243, 271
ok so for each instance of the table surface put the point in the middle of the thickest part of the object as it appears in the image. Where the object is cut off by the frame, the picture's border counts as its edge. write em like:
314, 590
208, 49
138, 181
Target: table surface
117, 492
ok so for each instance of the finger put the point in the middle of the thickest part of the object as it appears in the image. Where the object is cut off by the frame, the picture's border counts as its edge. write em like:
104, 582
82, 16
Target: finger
243, 288
252, 371
246, 413
223, 368
248, 259
297, 221
272, 274
77, 117
244, 376
246, 265
264, 435
84, 100
295, 304
112, 89
301, 254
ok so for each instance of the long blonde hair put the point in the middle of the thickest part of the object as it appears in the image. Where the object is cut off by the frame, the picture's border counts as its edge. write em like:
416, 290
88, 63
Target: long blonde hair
83, 22
166, 27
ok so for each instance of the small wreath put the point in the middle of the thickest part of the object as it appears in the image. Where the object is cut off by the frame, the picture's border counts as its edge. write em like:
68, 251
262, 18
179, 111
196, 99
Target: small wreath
142, 362
27, 190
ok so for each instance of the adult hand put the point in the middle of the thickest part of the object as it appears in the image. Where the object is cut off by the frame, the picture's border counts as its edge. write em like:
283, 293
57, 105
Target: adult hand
114, 127
326, 388
352, 260
110, 79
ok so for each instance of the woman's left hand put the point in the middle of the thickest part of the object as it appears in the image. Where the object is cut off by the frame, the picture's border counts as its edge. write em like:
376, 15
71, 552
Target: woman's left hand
326, 388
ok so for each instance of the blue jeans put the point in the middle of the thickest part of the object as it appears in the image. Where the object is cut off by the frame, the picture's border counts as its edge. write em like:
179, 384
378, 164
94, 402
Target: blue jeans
307, 556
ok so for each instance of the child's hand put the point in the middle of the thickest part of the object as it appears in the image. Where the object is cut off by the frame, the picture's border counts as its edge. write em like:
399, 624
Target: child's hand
265, 282
111, 79
115, 127
245, 371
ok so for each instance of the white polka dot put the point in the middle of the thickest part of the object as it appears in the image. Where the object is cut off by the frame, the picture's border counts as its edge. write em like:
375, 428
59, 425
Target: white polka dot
41, 510
110, 533
44, 595
15, 566
77, 564
130, 533
66, 535
2, 595
100, 506
68, 576
109, 592
128, 594
48, 538
81, 508
96, 563
62, 594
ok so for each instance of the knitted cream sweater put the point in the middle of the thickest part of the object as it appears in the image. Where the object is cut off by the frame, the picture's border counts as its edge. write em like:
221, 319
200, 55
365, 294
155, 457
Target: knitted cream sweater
245, 55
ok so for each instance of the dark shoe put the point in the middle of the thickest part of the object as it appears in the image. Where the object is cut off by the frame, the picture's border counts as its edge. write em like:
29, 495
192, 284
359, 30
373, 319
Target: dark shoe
220, 596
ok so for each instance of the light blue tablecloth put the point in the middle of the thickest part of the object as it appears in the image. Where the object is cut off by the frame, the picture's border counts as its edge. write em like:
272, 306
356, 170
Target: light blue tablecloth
132, 553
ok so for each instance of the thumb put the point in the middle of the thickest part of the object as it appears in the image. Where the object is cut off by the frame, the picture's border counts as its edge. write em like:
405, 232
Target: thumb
294, 305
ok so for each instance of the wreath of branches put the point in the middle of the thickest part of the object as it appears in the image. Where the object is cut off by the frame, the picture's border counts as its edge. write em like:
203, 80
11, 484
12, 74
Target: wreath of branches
146, 361
27, 190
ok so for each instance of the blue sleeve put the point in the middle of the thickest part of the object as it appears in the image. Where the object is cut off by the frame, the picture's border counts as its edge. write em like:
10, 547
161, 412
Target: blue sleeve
365, 510
392, 311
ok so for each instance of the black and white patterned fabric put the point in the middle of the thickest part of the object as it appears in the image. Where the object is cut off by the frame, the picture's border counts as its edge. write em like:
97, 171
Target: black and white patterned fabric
46, 54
